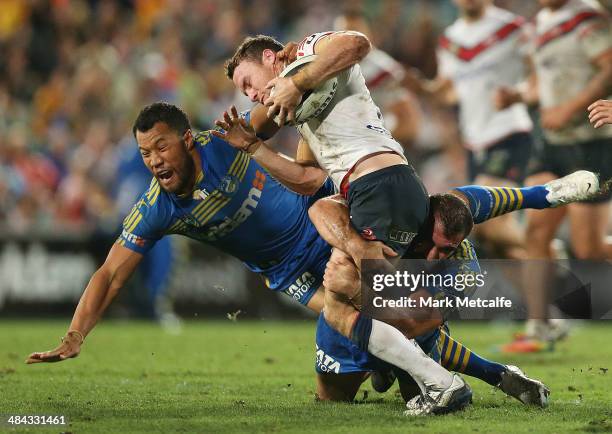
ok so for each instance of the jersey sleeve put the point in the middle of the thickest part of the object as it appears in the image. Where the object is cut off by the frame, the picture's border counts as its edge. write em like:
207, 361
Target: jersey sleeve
144, 225
445, 59
307, 45
596, 37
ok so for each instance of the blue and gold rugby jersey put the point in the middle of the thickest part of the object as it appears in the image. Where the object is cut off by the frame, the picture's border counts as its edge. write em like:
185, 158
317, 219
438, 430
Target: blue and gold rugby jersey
239, 208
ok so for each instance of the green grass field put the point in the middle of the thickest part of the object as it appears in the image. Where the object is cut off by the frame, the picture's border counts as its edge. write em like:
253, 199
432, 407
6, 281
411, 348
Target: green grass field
259, 377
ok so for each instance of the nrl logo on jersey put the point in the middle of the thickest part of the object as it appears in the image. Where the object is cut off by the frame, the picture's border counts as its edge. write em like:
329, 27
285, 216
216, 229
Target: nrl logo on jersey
229, 185
326, 363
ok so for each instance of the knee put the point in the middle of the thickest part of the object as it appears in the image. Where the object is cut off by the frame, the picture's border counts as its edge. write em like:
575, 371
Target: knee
340, 319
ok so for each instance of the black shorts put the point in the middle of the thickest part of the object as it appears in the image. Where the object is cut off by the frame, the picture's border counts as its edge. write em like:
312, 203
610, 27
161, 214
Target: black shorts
507, 158
389, 205
561, 160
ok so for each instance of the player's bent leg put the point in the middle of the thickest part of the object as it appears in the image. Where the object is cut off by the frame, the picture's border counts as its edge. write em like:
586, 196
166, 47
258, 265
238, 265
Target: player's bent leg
339, 387
442, 391
542, 226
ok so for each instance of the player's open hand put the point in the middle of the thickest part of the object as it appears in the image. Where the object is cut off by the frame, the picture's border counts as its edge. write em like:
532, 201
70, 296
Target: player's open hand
600, 113
237, 132
69, 348
284, 98
287, 55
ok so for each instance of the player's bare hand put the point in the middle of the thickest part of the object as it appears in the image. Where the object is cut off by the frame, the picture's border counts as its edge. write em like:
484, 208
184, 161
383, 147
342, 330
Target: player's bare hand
237, 132
600, 113
364, 249
287, 55
556, 118
284, 98
69, 348
504, 97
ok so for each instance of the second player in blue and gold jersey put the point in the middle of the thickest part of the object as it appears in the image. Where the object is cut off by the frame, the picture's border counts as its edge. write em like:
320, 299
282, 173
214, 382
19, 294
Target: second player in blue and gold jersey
237, 207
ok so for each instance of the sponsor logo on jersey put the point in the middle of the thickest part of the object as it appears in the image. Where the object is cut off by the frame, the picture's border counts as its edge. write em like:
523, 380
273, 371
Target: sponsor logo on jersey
134, 239
301, 286
378, 129
401, 237
326, 363
246, 209
368, 234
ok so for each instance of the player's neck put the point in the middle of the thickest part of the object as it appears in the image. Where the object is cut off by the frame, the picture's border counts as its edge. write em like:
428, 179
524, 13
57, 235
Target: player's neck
197, 163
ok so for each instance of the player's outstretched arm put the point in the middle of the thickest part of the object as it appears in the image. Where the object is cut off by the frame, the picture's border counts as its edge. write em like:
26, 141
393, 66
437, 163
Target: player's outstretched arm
600, 113
102, 288
335, 53
303, 176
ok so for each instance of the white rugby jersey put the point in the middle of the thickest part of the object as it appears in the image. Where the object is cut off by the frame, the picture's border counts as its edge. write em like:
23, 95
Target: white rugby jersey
350, 128
383, 76
479, 57
567, 40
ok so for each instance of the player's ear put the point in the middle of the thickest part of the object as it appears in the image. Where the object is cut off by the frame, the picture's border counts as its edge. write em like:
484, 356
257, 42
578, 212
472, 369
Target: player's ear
268, 57
188, 138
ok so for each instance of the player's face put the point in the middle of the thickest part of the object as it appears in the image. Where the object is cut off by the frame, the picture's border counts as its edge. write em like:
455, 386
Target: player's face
166, 154
471, 7
552, 4
442, 246
252, 77
432, 243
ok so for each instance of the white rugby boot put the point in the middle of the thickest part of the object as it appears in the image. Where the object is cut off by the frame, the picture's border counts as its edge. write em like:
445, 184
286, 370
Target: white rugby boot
527, 390
576, 186
456, 397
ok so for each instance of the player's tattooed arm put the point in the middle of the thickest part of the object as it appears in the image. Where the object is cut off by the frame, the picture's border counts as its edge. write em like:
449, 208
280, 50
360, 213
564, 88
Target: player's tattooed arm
303, 176
600, 113
331, 218
102, 288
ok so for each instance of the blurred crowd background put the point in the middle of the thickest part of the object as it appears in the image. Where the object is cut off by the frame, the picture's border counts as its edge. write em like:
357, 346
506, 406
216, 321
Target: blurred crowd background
75, 73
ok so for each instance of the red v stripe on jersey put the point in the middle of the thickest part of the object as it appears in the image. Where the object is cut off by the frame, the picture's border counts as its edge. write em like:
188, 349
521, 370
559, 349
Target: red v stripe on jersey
565, 27
467, 54
378, 79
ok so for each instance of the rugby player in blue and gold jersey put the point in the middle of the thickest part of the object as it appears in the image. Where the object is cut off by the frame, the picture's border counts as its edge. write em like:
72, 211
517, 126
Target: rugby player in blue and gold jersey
209, 191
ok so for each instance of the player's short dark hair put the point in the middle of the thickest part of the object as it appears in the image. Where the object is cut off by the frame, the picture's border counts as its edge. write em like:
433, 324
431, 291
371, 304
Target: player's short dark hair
170, 114
453, 212
251, 49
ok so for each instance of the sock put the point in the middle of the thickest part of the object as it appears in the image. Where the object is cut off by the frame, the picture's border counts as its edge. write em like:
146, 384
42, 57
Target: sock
389, 344
488, 202
458, 358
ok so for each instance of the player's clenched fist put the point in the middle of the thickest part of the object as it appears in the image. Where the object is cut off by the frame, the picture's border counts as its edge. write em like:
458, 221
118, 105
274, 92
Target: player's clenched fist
600, 113
237, 132
70, 347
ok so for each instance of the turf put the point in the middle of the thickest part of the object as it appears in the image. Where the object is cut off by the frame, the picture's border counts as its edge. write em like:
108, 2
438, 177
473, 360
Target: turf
258, 377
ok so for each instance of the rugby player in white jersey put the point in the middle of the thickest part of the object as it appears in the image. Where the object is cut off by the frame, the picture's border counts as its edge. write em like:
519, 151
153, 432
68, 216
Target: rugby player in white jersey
349, 141
572, 57
481, 51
